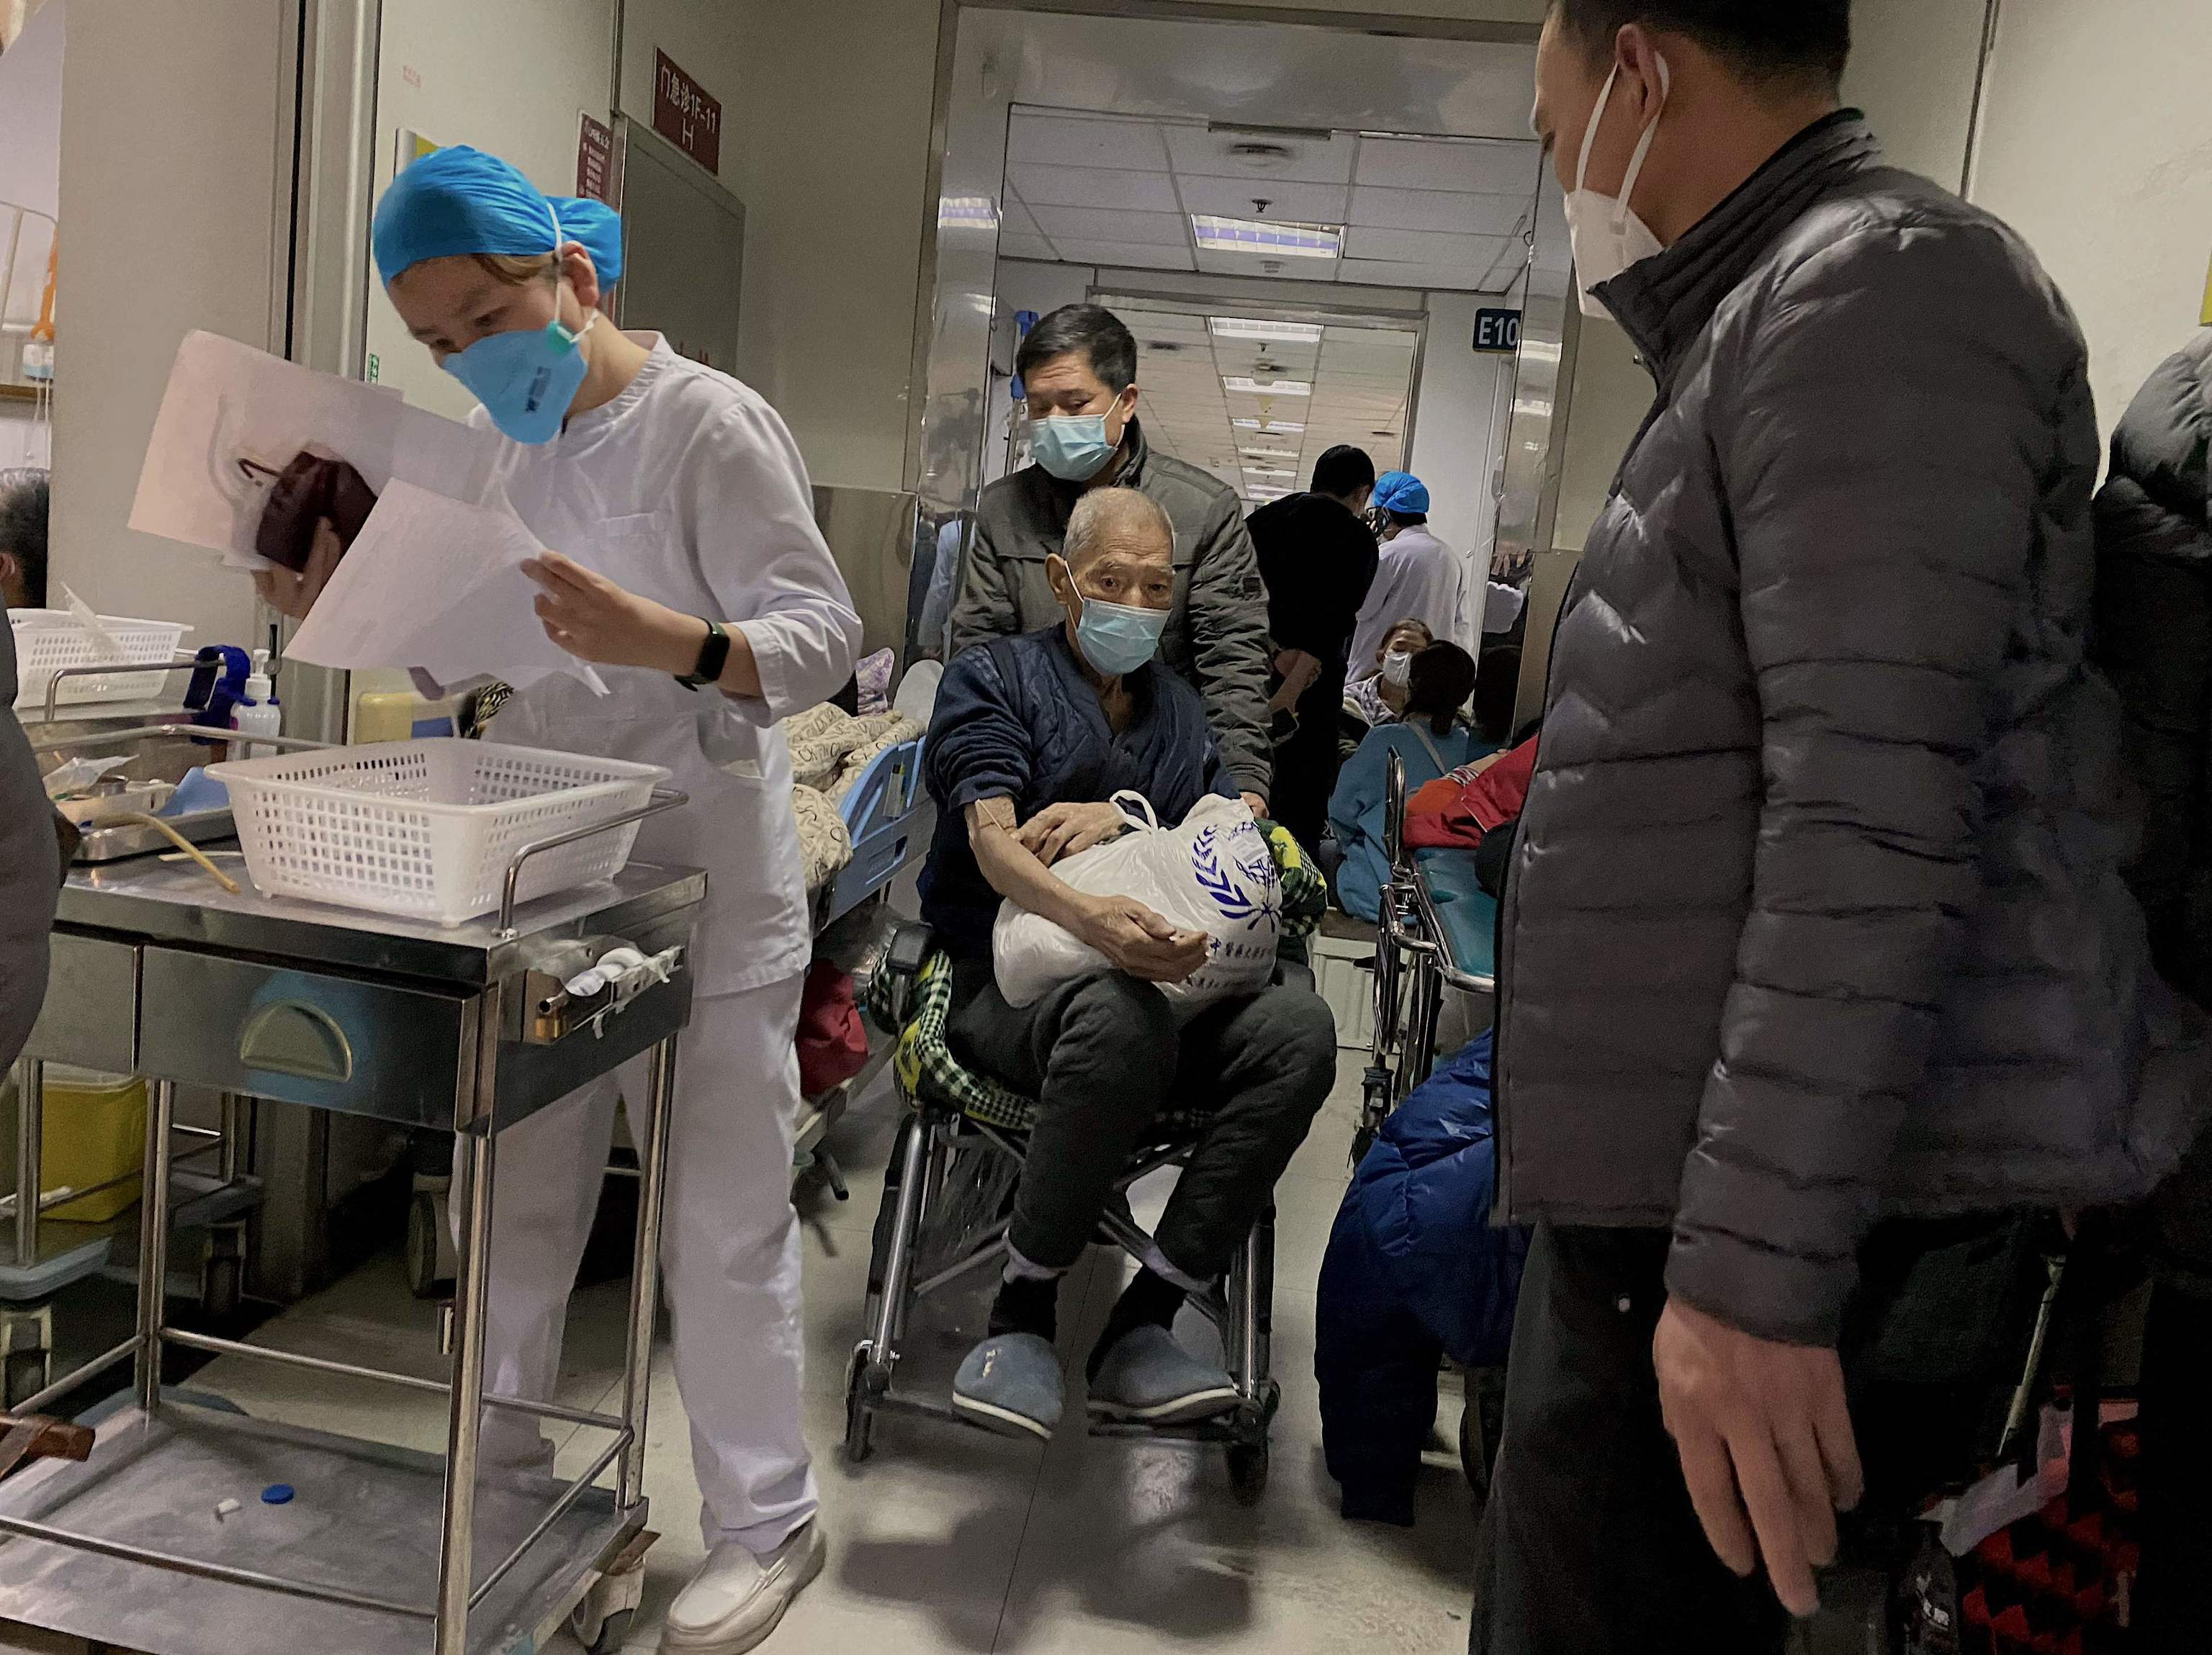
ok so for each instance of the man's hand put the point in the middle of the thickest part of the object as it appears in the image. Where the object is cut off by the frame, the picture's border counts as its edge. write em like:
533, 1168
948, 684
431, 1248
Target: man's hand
1142, 943
295, 594
595, 620
1299, 671
1254, 802
1763, 1433
1060, 830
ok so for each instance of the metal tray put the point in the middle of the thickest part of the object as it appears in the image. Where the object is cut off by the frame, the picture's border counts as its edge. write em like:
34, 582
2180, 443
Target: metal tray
365, 1520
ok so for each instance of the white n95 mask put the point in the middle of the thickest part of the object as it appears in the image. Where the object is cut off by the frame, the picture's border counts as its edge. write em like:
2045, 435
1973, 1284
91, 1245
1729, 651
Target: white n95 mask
1605, 232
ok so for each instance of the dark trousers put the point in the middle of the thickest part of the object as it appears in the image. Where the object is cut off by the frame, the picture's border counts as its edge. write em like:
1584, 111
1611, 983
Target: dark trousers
1306, 765
1103, 1056
2173, 1596
1590, 1545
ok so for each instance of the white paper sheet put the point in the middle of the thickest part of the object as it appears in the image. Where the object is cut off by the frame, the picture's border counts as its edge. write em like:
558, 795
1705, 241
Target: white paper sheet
227, 402
436, 584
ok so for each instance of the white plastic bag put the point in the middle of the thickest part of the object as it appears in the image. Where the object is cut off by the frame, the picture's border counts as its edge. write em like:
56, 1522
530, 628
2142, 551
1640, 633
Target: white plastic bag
1212, 873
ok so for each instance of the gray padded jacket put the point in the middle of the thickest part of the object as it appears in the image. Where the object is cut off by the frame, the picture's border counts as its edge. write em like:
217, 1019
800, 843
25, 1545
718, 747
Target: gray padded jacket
1815, 915
1217, 633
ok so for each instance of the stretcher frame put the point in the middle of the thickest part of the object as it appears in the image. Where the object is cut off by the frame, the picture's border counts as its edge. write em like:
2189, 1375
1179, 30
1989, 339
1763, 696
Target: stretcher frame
1415, 967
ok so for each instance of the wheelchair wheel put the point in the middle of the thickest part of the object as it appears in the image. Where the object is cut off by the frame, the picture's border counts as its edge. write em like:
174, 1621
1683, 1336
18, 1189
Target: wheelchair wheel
859, 1418
1248, 1471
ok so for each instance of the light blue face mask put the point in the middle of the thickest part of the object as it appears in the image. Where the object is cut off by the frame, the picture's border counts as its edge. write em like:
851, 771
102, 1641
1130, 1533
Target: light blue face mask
1119, 638
526, 378
1072, 446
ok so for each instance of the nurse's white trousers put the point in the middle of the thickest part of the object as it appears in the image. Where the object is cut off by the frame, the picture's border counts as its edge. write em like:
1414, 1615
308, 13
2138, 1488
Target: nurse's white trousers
729, 1254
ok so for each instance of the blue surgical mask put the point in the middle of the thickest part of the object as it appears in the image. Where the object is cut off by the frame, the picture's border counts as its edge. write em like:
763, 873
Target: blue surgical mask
526, 378
1072, 446
1119, 638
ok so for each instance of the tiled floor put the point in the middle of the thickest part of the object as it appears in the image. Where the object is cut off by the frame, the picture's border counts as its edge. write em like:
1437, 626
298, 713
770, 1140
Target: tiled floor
949, 1540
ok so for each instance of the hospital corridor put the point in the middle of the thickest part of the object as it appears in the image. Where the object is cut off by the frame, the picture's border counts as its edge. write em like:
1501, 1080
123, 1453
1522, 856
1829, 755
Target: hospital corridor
1062, 827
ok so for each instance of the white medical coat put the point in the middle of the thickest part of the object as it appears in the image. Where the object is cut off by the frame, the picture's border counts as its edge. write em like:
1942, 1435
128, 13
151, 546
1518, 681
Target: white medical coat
1416, 578
688, 489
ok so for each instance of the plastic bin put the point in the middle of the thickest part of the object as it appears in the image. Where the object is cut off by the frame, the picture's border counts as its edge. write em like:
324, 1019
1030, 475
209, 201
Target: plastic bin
95, 1130
47, 640
425, 829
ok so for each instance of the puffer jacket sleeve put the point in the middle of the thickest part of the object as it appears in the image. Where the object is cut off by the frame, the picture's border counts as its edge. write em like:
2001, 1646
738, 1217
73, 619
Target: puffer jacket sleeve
986, 607
1228, 619
29, 866
1895, 408
2153, 637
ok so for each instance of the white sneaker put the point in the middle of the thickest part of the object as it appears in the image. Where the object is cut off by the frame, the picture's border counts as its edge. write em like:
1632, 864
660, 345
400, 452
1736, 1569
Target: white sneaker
737, 1598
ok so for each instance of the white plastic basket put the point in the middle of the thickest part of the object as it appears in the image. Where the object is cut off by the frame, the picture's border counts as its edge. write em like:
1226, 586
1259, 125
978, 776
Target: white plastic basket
425, 829
47, 640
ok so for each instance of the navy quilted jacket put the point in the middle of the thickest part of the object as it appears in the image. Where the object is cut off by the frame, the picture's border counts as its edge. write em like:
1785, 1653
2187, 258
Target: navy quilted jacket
1016, 718
1816, 912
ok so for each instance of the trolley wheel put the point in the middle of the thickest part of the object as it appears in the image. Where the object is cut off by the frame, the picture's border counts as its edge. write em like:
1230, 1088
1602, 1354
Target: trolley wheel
28, 1373
606, 1638
863, 1384
1248, 1471
222, 1287
425, 1223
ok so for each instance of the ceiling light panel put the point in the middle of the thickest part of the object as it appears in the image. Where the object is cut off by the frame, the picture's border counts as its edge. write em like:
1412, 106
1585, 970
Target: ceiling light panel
1264, 239
1244, 385
1249, 327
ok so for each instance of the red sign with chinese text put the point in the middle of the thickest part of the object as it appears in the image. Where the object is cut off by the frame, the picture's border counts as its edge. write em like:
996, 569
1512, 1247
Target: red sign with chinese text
684, 114
595, 160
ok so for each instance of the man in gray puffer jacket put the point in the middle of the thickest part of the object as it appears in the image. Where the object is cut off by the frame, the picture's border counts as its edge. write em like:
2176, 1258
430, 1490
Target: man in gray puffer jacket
1815, 923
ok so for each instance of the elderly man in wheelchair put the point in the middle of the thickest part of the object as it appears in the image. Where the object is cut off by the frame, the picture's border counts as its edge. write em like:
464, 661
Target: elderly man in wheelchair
1031, 738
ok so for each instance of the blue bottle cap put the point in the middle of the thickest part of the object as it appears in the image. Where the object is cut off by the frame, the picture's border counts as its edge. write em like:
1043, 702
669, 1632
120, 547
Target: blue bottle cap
277, 1494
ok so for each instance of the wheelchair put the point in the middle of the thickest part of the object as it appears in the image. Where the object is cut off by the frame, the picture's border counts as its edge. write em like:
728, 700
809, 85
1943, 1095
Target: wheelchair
948, 1200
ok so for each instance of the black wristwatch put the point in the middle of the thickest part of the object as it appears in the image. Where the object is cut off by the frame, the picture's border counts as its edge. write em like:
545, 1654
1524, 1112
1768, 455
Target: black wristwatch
714, 656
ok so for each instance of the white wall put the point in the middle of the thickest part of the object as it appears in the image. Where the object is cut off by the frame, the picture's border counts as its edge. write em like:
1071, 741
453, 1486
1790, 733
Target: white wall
1456, 439
833, 114
174, 180
708, 41
2097, 146
1912, 71
23, 441
511, 77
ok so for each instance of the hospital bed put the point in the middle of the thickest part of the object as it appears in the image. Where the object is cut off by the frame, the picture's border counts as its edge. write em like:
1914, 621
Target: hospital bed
1435, 945
890, 818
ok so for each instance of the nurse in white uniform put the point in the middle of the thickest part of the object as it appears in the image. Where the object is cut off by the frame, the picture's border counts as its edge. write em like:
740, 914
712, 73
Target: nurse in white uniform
688, 566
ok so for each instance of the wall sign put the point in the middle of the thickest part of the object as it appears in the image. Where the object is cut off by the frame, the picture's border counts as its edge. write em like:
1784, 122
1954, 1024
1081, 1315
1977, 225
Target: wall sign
595, 160
684, 114
1497, 330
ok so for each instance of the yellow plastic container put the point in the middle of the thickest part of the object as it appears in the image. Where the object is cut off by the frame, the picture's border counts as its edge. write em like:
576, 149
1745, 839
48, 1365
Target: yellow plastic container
95, 1129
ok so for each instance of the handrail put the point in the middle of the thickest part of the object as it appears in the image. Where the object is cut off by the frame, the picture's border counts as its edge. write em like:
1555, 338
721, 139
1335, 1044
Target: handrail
664, 799
193, 731
174, 664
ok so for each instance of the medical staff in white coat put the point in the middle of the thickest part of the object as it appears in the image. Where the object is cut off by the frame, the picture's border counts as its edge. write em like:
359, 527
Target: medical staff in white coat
688, 566
1416, 578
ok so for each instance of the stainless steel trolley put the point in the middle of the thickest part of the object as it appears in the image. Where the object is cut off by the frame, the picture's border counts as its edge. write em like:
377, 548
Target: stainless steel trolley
157, 972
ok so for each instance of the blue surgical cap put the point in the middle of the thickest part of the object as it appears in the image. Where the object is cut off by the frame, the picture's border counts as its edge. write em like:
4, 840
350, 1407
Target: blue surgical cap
1402, 491
463, 201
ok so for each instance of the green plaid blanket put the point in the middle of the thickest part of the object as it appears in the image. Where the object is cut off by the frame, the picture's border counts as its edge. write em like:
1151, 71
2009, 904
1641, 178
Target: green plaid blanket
924, 1060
